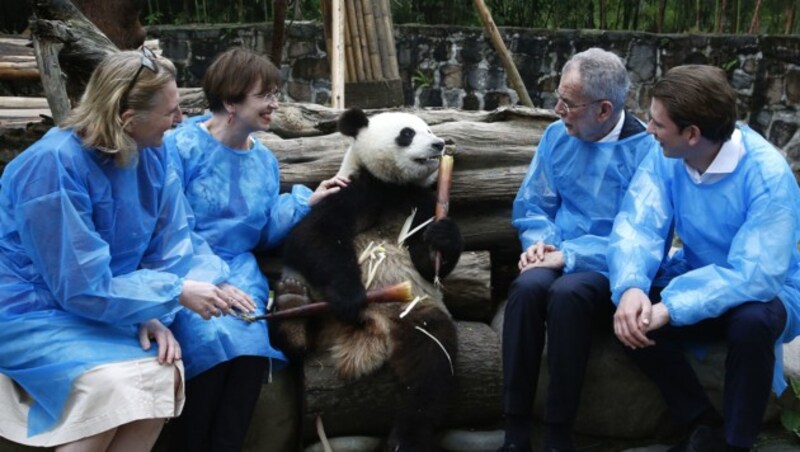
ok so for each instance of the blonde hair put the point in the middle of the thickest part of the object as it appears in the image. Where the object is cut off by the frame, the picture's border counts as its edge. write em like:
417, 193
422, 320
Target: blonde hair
98, 117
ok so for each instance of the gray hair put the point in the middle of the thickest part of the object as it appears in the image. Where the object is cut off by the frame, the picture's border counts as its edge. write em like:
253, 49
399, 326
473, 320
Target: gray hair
603, 75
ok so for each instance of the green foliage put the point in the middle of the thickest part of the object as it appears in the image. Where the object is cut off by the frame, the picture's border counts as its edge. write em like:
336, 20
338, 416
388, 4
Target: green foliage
153, 18
790, 416
679, 16
421, 80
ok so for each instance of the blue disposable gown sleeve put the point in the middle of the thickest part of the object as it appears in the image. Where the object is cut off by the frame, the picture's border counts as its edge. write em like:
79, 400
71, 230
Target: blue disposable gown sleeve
636, 245
175, 248
286, 210
74, 261
537, 202
758, 260
585, 253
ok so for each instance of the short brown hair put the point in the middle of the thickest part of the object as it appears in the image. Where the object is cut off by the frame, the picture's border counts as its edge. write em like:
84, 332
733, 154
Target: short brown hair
699, 95
233, 73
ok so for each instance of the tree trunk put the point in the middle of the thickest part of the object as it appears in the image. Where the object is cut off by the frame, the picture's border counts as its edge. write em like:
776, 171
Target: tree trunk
660, 16
66, 43
366, 406
754, 24
602, 13
278, 31
788, 24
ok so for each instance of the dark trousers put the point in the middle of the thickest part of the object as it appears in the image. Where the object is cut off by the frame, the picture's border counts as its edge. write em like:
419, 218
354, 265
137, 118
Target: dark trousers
750, 331
219, 405
566, 308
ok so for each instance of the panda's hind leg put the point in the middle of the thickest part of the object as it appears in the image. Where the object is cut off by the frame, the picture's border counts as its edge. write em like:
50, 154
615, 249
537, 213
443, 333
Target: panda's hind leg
425, 372
291, 335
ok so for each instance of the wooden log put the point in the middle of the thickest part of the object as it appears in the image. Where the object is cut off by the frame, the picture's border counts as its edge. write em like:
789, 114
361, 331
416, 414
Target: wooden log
295, 120
84, 44
502, 51
55, 90
22, 102
372, 40
366, 406
21, 70
488, 169
467, 289
337, 55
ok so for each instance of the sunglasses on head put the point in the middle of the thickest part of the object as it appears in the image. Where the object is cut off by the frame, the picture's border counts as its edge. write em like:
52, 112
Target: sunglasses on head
148, 61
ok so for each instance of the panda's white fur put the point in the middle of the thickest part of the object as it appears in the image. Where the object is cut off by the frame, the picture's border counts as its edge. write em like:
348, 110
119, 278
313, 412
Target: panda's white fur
376, 150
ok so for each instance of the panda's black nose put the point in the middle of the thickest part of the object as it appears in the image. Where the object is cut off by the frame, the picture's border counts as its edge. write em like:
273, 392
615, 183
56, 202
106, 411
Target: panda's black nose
439, 145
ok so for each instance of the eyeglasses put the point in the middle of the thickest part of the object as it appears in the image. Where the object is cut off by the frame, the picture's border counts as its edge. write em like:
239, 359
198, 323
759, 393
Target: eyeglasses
270, 96
568, 107
148, 60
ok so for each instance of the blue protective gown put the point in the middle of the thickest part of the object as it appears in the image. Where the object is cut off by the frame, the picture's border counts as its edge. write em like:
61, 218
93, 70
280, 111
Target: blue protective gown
572, 192
88, 251
739, 236
238, 208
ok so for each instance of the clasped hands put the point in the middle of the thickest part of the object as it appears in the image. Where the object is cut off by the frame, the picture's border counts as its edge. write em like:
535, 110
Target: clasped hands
207, 300
541, 255
636, 315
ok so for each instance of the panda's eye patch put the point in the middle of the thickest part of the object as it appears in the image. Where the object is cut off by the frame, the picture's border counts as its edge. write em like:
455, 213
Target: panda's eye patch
406, 137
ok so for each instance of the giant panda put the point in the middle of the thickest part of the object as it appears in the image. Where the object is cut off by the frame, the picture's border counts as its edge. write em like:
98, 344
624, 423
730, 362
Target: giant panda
334, 251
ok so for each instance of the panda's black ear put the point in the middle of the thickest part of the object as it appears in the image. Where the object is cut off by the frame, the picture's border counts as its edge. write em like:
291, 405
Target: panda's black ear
352, 121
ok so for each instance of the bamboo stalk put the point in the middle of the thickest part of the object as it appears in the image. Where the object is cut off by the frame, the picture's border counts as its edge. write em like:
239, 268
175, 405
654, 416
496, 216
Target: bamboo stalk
443, 198
400, 292
381, 32
362, 41
505, 56
348, 44
391, 55
372, 40
355, 39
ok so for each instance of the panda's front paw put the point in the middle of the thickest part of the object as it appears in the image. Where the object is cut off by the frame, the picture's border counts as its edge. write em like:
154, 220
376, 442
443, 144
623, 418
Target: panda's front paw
349, 309
444, 236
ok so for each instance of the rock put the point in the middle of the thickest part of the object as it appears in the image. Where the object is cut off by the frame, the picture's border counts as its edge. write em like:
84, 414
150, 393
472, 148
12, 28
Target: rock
471, 441
346, 444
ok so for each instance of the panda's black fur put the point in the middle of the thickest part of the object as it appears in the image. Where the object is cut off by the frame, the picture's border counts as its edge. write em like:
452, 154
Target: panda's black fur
391, 164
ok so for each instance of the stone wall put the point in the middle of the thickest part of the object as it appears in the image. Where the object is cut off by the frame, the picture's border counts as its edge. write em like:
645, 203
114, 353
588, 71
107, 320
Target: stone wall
457, 67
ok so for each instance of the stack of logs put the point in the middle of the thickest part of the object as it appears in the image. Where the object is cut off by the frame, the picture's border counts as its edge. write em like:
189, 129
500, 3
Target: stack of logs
371, 70
17, 61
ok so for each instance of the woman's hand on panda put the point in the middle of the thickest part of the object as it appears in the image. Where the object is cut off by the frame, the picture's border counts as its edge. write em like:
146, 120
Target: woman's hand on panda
327, 188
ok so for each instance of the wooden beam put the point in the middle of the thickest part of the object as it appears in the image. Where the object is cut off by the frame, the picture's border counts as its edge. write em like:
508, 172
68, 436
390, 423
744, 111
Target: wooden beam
505, 56
337, 54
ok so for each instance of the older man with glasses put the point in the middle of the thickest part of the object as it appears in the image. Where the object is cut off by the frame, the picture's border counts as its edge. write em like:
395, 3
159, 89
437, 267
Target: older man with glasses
564, 211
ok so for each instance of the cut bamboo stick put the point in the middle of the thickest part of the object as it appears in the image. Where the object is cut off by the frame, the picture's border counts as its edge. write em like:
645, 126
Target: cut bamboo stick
372, 40
355, 39
348, 45
383, 40
362, 41
391, 55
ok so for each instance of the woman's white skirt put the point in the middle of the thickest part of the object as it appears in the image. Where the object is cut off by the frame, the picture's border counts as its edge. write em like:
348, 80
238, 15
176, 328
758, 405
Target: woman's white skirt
101, 399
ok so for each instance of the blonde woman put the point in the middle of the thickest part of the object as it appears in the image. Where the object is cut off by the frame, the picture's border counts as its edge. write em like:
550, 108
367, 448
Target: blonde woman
96, 249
